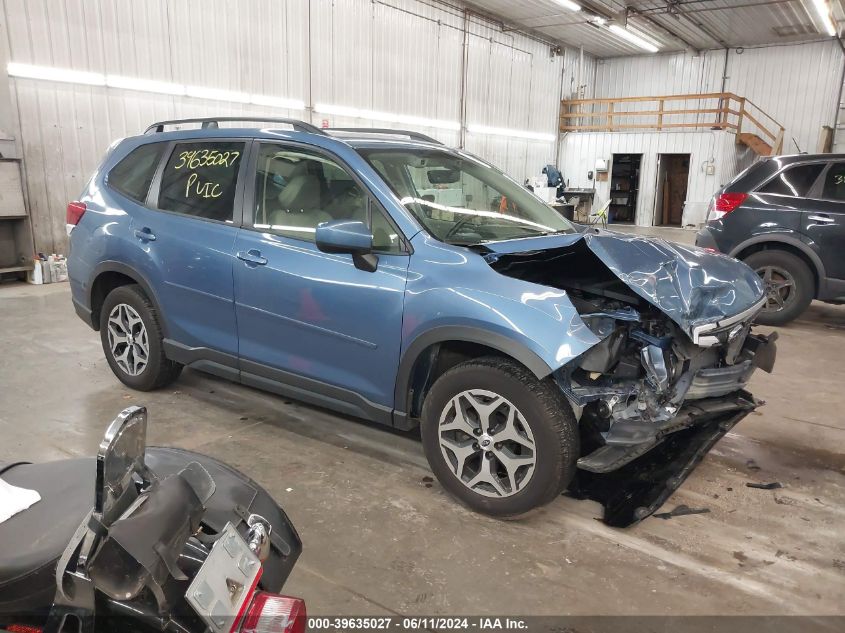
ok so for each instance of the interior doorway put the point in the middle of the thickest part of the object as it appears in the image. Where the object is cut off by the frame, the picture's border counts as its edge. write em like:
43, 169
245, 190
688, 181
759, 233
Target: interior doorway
671, 193
624, 188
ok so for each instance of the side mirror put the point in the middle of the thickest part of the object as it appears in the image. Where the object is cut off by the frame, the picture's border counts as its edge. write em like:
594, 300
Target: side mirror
348, 236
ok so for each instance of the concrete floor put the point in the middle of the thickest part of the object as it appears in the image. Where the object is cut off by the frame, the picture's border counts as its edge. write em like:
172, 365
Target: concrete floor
379, 538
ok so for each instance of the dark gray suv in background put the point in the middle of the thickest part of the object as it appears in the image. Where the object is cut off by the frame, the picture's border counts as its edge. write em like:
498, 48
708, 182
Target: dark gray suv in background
785, 217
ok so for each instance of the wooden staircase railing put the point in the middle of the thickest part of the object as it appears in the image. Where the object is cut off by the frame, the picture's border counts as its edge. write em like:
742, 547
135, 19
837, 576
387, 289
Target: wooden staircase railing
715, 110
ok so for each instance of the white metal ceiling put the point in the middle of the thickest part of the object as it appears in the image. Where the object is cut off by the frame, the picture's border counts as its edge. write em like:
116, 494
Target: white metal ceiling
674, 25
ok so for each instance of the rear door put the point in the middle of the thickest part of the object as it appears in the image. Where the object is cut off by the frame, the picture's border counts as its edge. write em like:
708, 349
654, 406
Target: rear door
188, 229
823, 219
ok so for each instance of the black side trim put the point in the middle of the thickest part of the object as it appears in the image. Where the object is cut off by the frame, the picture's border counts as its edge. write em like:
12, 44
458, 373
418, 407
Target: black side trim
313, 392
85, 313
278, 381
447, 333
831, 289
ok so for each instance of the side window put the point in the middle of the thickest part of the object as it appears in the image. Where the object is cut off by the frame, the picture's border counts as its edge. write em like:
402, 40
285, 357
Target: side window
794, 181
297, 189
834, 183
133, 175
199, 180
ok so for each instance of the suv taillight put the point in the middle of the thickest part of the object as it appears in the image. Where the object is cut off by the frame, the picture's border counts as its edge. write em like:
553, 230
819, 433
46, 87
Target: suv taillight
75, 211
725, 203
271, 613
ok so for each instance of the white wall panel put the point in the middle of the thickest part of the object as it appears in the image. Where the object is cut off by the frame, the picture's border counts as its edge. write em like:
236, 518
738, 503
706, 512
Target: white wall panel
396, 56
795, 84
580, 151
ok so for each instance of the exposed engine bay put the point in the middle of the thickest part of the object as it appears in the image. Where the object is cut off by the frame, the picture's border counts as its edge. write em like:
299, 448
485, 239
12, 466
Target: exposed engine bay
646, 380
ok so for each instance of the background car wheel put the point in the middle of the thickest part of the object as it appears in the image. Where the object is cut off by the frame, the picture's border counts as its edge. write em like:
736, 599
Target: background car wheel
497, 438
132, 340
790, 286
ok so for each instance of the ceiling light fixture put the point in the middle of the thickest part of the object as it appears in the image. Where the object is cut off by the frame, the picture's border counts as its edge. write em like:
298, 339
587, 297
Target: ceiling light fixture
568, 4
144, 85
501, 131
389, 117
824, 14
633, 38
64, 75
48, 73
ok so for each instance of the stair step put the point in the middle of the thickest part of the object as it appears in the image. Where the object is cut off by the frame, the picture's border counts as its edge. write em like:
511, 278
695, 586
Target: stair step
757, 144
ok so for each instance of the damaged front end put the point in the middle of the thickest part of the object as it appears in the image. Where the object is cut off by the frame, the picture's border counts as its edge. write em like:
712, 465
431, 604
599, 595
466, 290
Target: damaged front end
664, 383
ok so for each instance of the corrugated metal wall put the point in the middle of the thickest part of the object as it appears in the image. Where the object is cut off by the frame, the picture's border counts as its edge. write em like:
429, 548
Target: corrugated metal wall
397, 56
796, 84
582, 149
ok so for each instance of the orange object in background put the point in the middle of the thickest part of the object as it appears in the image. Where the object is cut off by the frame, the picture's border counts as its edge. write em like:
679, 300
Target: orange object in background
503, 205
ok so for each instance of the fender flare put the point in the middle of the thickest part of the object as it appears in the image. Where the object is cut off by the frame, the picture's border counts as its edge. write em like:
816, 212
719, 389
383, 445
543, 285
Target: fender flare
446, 333
768, 238
110, 266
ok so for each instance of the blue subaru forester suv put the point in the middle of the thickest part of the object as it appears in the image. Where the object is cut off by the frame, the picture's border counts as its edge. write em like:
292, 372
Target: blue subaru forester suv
385, 276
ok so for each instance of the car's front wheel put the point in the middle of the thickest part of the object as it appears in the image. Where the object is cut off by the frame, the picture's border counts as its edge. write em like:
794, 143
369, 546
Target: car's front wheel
497, 438
789, 285
132, 340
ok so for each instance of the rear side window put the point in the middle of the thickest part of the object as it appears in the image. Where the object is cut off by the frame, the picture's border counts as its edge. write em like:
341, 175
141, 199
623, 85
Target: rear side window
133, 175
794, 181
199, 180
834, 183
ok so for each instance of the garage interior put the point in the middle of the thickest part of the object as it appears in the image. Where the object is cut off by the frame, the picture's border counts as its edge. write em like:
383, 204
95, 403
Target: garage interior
647, 107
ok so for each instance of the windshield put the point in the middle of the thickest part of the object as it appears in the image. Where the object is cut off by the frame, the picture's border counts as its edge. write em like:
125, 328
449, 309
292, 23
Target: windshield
461, 200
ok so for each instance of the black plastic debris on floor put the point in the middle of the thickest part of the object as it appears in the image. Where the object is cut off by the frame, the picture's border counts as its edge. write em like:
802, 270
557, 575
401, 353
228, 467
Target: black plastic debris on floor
680, 511
768, 486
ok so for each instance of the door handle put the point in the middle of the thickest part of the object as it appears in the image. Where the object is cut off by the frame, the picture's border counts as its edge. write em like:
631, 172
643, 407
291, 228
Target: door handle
145, 235
826, 219
253, 257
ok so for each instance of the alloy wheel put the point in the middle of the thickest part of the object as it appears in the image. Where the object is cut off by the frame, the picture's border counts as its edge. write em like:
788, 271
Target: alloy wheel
128, 339
780, 287
487, 443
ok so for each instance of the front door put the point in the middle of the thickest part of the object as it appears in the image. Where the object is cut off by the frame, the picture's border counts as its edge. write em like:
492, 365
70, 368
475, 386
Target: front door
188, 230
328, 331
823, 220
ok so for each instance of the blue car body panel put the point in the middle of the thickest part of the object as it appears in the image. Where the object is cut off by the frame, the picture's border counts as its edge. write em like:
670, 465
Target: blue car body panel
316, 322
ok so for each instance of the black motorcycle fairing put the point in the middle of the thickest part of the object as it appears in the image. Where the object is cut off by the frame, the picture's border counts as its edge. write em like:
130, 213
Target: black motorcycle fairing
32, 541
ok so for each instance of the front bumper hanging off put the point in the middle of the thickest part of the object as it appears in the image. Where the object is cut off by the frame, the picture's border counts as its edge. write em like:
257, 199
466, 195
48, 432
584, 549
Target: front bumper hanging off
634, 491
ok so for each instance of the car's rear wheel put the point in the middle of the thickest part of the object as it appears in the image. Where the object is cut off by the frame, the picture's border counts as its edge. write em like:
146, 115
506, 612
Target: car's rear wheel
132, 340
497, 438
790, 286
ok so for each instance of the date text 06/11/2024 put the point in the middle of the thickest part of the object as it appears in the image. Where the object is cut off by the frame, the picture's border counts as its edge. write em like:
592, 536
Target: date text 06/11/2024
375, 623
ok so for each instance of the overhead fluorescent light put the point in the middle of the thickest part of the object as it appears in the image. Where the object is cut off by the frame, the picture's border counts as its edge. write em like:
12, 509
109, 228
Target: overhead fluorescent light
633, 38
568, 4
597, 19
48, 73
389, 117
501, 131
216, 94
824, 14
144, 85
277, 102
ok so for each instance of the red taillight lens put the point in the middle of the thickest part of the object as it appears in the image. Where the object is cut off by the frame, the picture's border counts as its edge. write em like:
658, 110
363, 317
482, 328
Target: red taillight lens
22, 628
271, 613
727, 202
75, 211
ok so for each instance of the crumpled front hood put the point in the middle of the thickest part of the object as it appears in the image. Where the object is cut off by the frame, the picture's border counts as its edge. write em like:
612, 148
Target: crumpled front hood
690, 285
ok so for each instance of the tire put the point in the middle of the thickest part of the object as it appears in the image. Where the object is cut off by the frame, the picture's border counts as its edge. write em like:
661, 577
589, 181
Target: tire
784, 302
543, 414
133, 311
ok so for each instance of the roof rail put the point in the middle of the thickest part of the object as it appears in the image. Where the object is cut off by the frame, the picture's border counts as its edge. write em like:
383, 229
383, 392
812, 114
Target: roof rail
213, 123
383, 130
